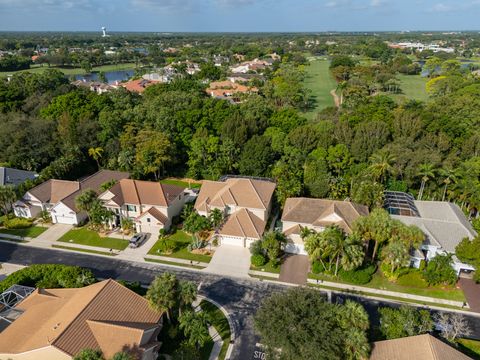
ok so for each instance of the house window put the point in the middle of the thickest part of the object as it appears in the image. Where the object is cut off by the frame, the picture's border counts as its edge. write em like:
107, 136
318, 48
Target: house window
131, 208
148, 220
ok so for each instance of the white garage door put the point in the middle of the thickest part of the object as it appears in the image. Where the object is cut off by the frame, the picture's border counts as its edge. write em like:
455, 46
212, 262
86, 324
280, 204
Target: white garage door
152, 229
65, 219
295, 249
227, 240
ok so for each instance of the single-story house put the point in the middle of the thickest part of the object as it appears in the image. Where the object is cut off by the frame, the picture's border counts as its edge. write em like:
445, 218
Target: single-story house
316, 214
245, 202
58, 197
425, 347
56, 324
10, 176
151, 205
443, 224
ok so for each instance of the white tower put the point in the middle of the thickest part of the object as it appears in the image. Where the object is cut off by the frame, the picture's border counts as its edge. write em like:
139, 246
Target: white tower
104, 31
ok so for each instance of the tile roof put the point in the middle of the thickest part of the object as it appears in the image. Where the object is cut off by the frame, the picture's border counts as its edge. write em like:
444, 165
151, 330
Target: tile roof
105, 316
157, 214
52, 191
136, 192
443, 223
228, 88
424, 347
323, 212
247, 193
138, 85
243, 223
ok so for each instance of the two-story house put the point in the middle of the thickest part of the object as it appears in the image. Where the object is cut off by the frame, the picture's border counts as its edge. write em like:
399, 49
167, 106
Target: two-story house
151, 205
245, 202
316, 214
58, 197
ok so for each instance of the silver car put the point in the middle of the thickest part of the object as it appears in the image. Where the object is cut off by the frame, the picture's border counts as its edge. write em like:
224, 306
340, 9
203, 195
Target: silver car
137, 240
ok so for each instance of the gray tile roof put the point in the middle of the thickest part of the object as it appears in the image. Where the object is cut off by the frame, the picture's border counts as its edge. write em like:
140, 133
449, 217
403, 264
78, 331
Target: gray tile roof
443, 223
10, 176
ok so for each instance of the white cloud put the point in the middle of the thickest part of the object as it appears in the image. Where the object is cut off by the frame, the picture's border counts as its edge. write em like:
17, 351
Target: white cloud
441, 7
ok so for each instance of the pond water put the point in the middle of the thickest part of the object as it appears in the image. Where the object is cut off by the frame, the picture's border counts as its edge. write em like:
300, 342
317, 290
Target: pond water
112, 76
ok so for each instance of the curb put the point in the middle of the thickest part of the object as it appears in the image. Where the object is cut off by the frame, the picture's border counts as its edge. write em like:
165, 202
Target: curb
230, 323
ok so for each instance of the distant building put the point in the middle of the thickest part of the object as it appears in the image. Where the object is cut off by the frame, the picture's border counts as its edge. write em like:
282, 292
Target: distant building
138, 85
56, 324
228, 90
10, 176
96, 86
443, 224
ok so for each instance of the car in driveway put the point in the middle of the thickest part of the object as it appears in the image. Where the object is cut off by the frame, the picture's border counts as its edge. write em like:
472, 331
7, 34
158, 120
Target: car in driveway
137, 240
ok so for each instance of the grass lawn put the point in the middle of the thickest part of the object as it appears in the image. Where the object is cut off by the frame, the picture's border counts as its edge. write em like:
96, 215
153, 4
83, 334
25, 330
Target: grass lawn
181, 183
72, 71
83, 250
469, 347
220, 323
84, 236
181, 240
320, 82
32, 231
413, 87
174, 263
411, 283
268, 267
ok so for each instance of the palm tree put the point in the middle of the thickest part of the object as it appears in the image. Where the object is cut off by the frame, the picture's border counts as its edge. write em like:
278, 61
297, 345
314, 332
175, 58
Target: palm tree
427, 172
315, 244
334, 247
449, 175
354, 315
396, 254
356, 345
86, 200
162, 294
382, 165
187, 294
353, 253
195, 327
96, 154
342, 85
216, 218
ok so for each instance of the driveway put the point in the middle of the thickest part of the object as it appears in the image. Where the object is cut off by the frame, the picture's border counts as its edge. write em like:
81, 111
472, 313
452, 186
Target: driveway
294, 269
230, 260
53, 233
472, 293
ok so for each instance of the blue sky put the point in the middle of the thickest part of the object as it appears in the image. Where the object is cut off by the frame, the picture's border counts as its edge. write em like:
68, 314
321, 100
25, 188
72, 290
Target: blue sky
239, 15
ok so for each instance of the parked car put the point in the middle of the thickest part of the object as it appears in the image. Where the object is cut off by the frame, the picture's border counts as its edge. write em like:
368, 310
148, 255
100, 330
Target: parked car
137, 240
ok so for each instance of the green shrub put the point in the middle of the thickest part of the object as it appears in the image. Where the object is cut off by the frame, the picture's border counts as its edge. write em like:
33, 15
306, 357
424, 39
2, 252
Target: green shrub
258, 260
423, 265
413, 278
360, 276
440, 271
256, 248
166, 245
317, 267
17, 223
49, 275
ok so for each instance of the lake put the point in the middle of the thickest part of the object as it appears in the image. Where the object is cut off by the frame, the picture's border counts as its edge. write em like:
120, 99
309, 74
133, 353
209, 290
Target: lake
112, 76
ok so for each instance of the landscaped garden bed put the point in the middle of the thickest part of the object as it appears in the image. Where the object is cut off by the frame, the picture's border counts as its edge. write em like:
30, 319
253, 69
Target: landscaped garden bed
20, 227
84, 236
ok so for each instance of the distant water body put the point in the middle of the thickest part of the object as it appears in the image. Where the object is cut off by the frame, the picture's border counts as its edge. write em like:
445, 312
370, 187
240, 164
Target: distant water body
112, 76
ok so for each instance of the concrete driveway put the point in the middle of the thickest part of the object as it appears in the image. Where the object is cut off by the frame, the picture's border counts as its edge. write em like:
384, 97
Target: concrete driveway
294, 269
230, 260
53, 233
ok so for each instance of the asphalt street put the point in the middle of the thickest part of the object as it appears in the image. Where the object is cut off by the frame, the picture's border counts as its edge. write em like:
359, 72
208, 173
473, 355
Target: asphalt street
240, 297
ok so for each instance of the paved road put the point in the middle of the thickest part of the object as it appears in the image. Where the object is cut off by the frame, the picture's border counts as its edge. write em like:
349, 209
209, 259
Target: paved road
241, 297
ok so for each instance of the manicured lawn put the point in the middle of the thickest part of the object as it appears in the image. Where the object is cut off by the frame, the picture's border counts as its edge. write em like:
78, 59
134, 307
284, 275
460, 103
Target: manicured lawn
84, 236
220, 323
412, 283
83, 250
320, 82
181, 183
413, 87
72, 71
469, 347
32, 231
268, 267
182, 240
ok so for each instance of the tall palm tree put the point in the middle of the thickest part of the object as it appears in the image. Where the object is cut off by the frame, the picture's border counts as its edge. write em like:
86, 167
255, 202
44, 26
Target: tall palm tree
375, 227
315, 245
396, 254
187, 294
341, 87
449, 175
356, 345
195, 327
86, 200
353, 253
381, 165
216, 218
162, 294
334, 248
427, 172
96, 154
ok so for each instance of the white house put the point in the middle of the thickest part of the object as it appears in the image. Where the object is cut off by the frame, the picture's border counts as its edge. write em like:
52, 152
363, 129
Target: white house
443, 224
316, 214
58, 197
151, 205
245, 202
